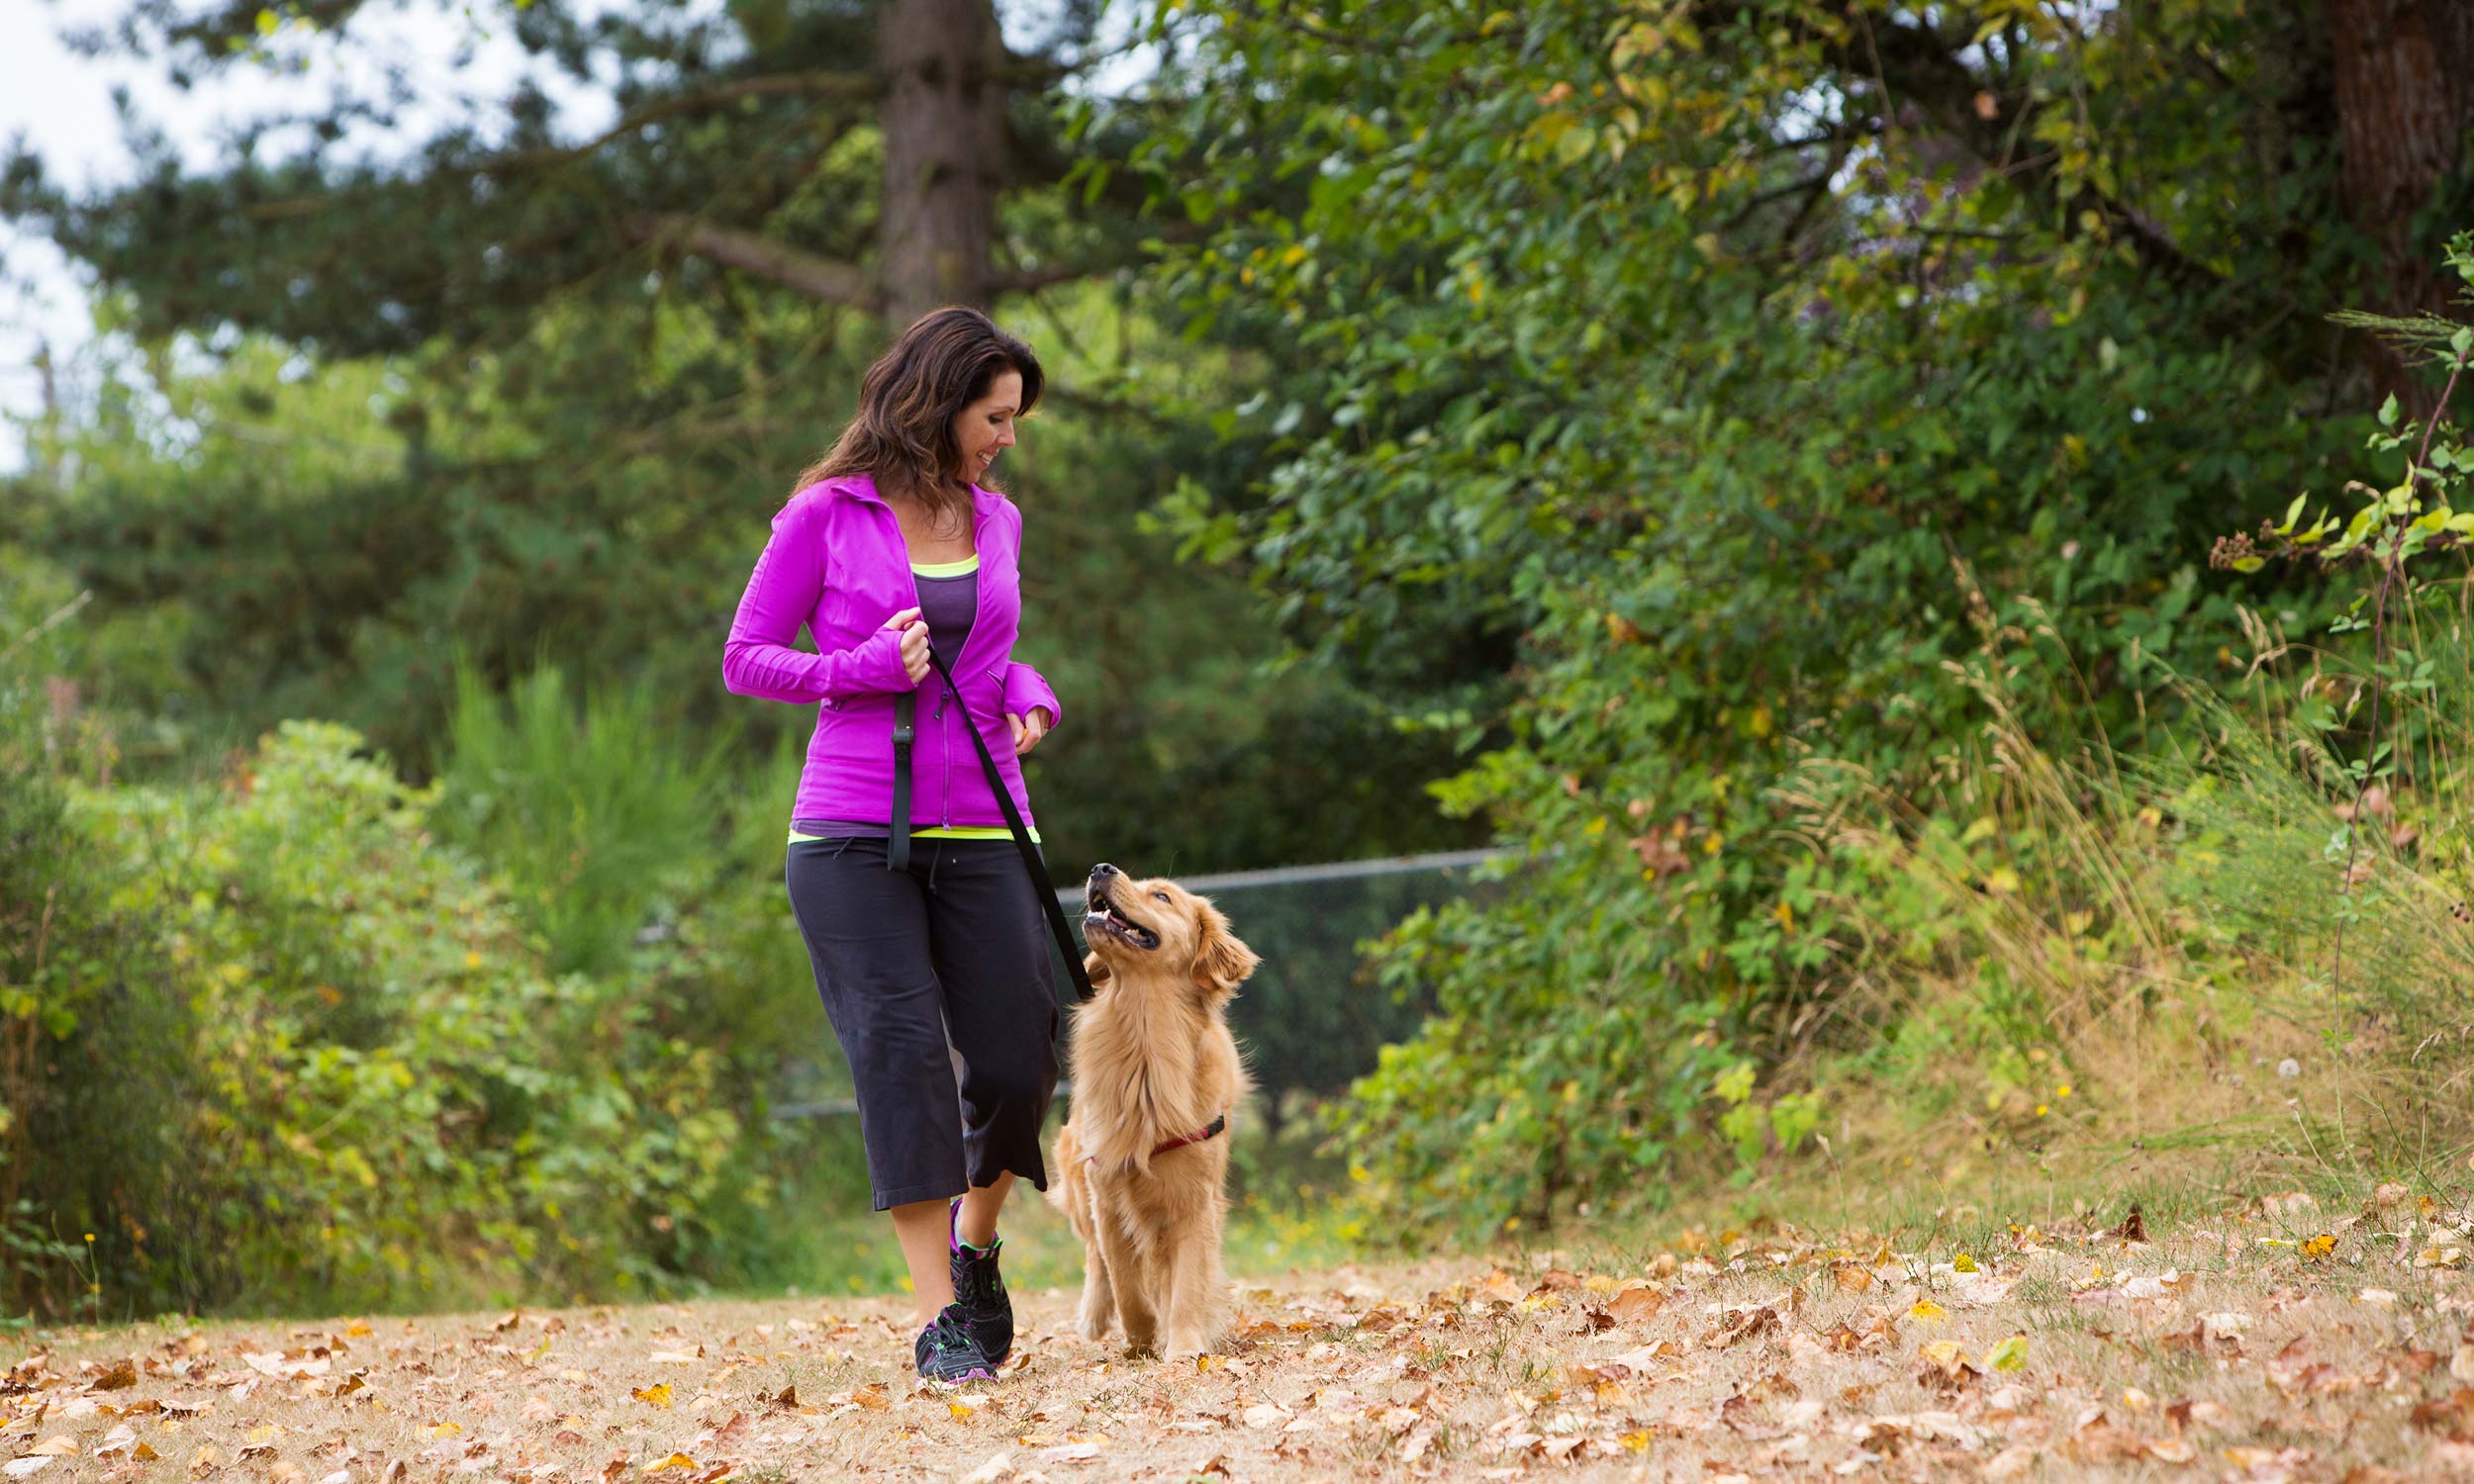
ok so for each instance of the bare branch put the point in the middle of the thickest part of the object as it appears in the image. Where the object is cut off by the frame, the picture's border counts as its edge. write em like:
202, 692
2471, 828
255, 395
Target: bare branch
816, 277
1819, 181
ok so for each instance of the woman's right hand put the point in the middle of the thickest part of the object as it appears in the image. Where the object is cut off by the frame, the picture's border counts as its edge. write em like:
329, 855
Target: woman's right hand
914, 642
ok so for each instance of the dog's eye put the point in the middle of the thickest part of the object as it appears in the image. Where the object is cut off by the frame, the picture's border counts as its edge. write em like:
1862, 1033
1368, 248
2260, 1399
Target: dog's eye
1162, 895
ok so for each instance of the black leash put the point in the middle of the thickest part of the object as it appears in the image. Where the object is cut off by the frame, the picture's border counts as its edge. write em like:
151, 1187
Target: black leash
897, 849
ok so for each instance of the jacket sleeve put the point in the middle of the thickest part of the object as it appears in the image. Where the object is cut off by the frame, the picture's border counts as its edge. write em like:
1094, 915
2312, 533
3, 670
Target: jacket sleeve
782, 592
1025, 689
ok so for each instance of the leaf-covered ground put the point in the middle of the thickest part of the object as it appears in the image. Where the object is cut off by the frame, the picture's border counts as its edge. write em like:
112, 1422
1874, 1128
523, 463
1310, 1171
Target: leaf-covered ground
2278, 1340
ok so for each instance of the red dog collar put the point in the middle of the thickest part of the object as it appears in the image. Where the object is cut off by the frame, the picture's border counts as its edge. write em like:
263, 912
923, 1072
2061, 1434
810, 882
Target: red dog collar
1211, 1130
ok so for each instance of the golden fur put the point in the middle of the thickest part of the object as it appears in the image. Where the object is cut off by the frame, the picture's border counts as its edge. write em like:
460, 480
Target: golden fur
1152, 1061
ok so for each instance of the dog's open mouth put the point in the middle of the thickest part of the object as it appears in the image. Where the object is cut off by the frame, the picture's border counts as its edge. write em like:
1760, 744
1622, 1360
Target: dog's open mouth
1101, 916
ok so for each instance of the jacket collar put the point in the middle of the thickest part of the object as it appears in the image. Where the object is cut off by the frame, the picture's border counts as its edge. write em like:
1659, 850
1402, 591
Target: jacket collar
863, 486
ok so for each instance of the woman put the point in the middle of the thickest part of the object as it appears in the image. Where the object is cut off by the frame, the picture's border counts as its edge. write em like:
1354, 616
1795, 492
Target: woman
889, 549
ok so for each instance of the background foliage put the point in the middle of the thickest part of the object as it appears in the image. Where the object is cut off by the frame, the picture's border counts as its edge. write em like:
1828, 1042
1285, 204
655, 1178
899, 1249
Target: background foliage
1755, 461
1677, 393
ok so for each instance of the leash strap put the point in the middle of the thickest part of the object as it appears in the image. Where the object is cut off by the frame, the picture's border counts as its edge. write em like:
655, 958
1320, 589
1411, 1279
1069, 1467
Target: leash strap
897, 849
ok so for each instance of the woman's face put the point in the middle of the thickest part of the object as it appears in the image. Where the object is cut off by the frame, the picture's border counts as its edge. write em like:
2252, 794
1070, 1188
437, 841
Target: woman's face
985, 429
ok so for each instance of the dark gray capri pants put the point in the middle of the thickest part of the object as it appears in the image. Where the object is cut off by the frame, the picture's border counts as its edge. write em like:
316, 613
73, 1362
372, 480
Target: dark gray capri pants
955, 947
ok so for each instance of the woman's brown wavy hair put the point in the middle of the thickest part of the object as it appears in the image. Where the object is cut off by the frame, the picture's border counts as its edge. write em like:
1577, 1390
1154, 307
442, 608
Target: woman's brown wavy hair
903, 436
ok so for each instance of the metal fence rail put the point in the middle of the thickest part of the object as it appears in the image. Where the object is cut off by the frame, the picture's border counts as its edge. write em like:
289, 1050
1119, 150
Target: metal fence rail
1329, 870
1307, 1019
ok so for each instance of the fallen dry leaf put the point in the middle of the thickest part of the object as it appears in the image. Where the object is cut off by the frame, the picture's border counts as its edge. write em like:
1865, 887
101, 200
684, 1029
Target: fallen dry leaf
1702, 1364
998, 1466
1635, 1300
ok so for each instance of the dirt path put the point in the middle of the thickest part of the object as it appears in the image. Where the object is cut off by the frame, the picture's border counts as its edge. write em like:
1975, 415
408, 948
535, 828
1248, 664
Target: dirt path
2279, 1342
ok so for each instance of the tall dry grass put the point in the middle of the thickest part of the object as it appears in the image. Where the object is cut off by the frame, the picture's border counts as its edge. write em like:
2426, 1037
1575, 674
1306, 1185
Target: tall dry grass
2206, 950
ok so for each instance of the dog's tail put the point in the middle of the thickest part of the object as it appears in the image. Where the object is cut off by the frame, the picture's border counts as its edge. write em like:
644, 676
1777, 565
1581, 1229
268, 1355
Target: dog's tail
1066, 1179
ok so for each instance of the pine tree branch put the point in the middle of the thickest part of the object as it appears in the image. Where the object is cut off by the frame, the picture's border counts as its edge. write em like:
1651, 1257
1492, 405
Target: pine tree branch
858, 85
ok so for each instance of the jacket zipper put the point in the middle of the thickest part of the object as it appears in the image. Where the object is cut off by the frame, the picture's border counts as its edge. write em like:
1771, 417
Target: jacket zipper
945, 740
944, 731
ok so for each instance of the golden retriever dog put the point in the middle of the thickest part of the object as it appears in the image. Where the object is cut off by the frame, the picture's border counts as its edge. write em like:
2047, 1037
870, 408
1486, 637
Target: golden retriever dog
1142, 1161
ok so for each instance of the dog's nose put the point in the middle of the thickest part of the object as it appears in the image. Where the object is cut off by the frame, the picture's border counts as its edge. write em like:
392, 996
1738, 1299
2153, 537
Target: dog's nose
1103, 869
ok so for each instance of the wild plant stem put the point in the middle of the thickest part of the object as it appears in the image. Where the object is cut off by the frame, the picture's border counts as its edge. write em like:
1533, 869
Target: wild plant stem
2391, 567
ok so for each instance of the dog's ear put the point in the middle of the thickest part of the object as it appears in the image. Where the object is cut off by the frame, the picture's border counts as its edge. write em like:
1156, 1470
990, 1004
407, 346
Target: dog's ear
1094, 968
1221, 960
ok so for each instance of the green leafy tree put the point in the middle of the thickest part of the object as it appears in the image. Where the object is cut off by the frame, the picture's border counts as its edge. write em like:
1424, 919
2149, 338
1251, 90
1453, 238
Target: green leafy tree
1729, 367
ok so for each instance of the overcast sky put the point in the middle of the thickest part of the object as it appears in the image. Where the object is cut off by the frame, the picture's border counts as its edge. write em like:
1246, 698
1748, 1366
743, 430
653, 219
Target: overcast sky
61, 104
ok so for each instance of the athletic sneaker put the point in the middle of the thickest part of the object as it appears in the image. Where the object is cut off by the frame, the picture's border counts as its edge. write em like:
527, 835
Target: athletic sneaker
980, 1291
947, 1353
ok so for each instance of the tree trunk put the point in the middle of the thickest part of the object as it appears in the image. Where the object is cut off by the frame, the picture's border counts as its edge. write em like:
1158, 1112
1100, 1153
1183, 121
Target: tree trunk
944, 117
2405, 96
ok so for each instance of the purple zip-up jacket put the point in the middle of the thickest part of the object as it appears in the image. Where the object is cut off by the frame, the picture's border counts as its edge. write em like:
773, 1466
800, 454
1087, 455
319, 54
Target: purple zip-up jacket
837, 564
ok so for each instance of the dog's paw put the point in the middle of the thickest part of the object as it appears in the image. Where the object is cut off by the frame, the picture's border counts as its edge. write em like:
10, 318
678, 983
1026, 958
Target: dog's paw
1092, 1330
1183, 1351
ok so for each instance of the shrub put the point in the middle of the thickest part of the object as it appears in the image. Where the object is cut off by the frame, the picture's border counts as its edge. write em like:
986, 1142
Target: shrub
357, 1083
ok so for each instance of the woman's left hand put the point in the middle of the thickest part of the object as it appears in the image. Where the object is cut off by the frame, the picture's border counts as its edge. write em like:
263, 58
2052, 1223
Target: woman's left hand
1027, 734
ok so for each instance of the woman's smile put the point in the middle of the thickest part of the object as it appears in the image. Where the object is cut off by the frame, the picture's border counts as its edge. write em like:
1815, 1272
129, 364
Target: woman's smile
985, 429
